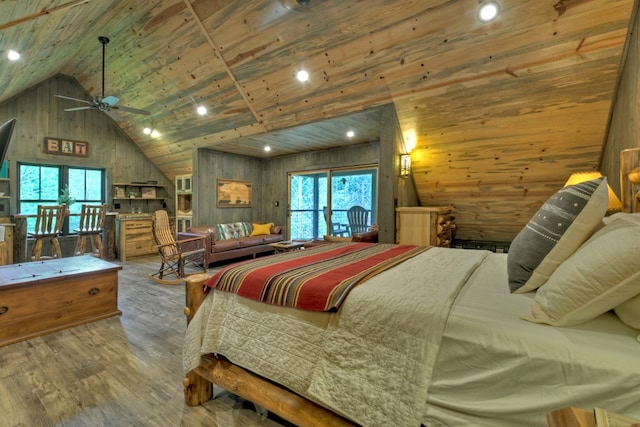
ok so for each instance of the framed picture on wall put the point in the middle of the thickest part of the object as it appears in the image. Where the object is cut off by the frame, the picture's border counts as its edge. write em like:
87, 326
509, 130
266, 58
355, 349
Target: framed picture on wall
231, 193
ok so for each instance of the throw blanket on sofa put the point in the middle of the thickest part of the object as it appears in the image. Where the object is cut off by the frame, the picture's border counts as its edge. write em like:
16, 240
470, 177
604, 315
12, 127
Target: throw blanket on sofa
317, 280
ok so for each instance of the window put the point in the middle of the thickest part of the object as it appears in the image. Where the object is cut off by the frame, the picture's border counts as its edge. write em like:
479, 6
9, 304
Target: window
42, 184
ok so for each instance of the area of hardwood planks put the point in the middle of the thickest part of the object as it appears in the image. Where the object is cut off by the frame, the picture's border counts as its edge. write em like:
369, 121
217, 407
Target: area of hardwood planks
121, 371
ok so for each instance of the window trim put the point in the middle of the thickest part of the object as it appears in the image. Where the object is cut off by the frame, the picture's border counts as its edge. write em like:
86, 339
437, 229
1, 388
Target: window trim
63, 179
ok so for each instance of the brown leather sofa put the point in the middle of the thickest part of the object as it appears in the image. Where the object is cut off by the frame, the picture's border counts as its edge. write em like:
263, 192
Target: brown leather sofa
225, 249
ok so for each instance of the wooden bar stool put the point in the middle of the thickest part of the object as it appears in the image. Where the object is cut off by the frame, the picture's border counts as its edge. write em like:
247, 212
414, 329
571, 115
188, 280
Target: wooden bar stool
48, 227
91, 225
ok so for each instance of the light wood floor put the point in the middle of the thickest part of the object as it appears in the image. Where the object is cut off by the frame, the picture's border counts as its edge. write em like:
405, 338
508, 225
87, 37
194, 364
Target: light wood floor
121, 371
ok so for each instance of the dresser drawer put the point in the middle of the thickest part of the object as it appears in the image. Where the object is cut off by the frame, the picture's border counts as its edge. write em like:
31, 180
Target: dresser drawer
139, 248
136, 238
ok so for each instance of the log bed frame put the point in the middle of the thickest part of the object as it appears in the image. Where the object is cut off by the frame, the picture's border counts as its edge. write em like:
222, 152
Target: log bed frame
198, 383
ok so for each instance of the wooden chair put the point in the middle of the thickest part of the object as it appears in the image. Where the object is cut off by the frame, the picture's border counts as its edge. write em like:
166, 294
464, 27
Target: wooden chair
48, 227
358, 219
336, 229
175, 254
91, 225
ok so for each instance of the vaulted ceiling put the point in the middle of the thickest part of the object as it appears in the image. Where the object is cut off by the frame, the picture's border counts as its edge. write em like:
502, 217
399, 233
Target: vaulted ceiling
525, 98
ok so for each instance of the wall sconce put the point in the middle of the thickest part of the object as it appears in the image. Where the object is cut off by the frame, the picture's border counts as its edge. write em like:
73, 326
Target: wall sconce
576, 178
405, 165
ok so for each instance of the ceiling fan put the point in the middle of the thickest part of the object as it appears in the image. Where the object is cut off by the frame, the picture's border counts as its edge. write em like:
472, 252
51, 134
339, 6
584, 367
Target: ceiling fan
103, 103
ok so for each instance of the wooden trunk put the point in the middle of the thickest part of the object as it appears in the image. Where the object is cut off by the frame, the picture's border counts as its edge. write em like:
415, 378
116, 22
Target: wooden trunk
38, 298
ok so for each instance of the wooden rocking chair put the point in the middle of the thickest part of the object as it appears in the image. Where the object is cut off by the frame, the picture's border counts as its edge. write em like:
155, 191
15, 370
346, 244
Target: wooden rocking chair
175, 254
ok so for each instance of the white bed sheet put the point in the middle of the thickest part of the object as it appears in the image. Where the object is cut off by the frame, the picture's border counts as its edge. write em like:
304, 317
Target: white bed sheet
495, 369
371, 362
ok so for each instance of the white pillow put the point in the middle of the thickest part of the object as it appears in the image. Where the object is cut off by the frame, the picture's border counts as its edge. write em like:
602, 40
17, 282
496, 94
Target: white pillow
602, 274
629, 312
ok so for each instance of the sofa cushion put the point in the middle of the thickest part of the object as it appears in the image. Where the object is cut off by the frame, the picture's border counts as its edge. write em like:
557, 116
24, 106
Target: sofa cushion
272, 238
251, 241
225, 245
202, 229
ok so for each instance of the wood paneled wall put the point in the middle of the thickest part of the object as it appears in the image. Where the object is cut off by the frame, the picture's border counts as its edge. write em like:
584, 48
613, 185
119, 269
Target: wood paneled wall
42, 115
624, 126
270, 178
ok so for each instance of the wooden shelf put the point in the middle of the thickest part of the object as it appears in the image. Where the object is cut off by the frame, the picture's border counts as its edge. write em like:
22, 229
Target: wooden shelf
139, 198
132, 184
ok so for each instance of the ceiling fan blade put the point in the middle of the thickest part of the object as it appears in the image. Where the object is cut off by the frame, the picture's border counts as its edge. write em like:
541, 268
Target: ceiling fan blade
79, 108
74, 99
111, 100
131, 110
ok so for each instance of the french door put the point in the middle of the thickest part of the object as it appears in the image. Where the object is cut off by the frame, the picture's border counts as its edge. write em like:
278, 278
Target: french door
317, 209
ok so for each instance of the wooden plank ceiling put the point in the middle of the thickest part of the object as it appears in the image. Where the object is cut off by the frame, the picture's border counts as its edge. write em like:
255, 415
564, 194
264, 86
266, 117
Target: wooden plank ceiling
497, 112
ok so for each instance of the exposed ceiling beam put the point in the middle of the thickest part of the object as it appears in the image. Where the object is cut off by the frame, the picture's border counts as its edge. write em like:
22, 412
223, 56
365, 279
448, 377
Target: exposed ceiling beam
225, 65
43, 12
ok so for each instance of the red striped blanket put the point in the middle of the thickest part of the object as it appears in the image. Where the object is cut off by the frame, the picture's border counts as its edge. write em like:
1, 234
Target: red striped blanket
318, 279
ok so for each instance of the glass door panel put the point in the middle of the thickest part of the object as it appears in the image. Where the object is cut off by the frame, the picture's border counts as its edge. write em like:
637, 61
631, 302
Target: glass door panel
309, 199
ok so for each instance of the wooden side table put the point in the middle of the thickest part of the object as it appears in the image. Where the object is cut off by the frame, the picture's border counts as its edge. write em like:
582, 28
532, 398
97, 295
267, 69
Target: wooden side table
280, 247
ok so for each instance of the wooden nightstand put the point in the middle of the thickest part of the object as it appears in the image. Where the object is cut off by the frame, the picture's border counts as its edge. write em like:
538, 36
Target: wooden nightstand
571, 417
425, 226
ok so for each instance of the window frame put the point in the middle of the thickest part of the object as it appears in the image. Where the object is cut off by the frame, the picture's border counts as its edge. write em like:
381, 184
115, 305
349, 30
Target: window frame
63, 179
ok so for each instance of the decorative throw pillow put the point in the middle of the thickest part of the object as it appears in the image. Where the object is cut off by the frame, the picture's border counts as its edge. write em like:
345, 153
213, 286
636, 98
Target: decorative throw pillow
602, 274
276, 229
261, 229
559, 227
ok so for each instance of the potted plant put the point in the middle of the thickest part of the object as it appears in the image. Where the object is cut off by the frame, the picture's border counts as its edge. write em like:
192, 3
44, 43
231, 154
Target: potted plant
65, 197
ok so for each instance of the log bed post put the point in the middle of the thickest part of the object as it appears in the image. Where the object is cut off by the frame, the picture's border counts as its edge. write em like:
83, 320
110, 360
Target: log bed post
197, 390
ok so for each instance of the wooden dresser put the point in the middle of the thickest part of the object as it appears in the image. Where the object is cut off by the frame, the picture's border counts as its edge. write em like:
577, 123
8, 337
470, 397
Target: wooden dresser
425, 226
135, 236
41, 297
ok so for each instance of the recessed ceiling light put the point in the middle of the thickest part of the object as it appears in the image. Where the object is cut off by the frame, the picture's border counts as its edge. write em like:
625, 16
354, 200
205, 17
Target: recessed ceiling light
13, 55
155, 134
146, 131
202, 110
302, 75
351, 134
267, 148
488, 12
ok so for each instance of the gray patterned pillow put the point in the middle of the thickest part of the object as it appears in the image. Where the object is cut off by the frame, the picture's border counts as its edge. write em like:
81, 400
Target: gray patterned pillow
556, 231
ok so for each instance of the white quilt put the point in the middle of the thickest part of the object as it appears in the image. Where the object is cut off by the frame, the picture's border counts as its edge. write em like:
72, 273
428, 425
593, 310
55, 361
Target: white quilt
371, 362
